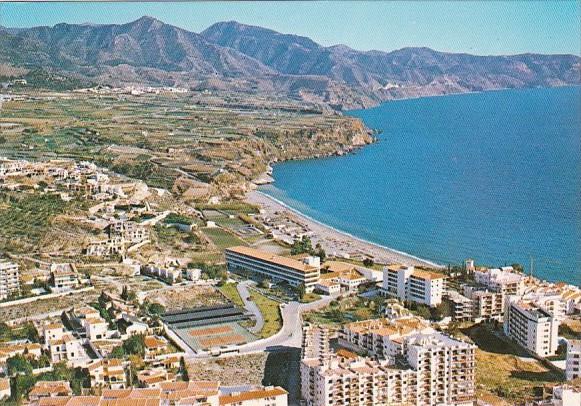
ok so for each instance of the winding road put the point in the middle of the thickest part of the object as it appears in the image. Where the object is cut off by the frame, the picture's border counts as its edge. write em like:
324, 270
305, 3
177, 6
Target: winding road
289, 336
244, 293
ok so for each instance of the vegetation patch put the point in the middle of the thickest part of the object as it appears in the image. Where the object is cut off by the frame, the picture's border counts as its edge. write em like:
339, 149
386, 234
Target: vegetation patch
270, 312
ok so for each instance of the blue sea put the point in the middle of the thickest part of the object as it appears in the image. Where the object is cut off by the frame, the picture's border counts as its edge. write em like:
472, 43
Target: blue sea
495, 176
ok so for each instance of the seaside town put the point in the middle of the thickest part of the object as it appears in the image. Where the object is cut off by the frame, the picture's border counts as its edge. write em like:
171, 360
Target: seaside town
135, 297
146, 261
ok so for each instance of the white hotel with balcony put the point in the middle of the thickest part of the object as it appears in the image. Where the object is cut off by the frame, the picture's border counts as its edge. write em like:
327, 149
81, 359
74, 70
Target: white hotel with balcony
415, 285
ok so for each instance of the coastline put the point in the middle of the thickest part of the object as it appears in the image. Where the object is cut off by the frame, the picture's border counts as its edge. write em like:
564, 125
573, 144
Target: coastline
334, 241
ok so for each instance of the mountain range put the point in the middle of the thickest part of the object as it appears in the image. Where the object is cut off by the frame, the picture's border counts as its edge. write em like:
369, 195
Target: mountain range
230, 55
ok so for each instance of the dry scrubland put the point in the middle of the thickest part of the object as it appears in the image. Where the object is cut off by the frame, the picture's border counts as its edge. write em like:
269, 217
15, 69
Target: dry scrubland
217, 139
505, 373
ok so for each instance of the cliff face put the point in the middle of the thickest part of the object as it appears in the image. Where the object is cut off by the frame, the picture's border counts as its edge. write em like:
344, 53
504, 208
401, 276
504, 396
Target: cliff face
329, 136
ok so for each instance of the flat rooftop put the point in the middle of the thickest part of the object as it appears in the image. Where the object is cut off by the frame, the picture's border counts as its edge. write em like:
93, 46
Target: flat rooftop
272, 258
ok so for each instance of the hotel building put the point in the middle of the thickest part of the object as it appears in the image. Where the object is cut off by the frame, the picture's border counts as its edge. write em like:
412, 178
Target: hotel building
573, 363
9, 279
424, 368
274, 267
408, 283
531, 326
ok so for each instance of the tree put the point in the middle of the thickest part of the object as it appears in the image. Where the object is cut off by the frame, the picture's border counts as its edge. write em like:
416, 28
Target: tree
128, 295
80, 379
155, 309
117, 352
301, 246
135, 345
265, 283
301, 291
18, 364
21, 385
184, 370
337, 315
320, 252
368, 262
30, 332
423, 311
5, 331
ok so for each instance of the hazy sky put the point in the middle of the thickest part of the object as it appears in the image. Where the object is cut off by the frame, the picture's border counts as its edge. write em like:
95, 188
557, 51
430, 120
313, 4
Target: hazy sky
486, 27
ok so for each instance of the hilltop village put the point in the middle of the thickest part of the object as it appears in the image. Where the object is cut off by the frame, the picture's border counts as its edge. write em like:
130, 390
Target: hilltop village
139, 265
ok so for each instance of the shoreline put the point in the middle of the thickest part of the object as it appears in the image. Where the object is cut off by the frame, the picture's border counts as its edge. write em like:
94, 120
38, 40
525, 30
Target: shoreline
337, 242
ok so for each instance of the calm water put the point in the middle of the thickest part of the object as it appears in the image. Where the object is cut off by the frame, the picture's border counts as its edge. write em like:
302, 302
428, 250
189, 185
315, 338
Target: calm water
495, 176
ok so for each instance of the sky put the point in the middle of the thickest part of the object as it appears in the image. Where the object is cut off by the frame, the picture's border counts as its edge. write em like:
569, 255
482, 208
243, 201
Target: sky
477, 27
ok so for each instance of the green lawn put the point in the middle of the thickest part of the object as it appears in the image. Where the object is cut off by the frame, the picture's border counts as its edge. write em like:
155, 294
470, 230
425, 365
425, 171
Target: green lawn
310, 297
345, 310
222, 238
229, 290
270, 312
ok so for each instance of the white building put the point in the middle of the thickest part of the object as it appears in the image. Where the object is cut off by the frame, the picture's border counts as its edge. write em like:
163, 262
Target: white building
408, 283
9, 279
64, 277
328, 287
573, 363
531, 326
193, 274
275, 267
462, 308
168, 274
563, 395
95, 328
486, 305
108, 373
410, 367
505, 280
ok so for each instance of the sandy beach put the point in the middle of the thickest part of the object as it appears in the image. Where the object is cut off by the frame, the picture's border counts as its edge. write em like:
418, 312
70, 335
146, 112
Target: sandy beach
335, 242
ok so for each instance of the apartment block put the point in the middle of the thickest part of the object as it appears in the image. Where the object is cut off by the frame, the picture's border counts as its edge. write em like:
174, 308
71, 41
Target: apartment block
274, 267
505, 280
315, 342
9, 279
381, 338
417, 367
531, 326
573, 363
486, 305
461, 307
408, 283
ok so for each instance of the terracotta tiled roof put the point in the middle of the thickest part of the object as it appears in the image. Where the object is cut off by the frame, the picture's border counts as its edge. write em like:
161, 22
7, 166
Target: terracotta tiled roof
251, 395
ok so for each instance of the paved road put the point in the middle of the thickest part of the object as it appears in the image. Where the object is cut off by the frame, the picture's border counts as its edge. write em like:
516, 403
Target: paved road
250, 305
290, 335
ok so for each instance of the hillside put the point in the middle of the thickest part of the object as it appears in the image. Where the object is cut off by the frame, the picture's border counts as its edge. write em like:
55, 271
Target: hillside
230, 55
